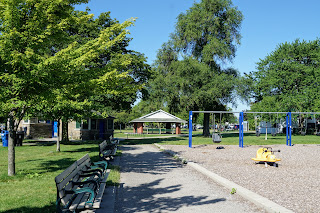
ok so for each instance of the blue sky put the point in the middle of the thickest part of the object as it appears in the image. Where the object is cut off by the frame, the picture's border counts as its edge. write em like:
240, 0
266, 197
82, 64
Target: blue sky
266, 24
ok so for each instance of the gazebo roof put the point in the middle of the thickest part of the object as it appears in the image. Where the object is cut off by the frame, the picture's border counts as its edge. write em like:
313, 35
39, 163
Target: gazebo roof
159, 116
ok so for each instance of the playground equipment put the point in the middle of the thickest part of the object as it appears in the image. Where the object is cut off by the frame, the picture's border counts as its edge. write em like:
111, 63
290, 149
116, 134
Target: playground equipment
216, 137
241, 116
266, 156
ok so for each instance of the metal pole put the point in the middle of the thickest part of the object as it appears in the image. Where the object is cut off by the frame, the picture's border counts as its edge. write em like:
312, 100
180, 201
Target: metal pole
190, 129
241, 129
288, 129
287, 132
255, 123
315, 123
214, 123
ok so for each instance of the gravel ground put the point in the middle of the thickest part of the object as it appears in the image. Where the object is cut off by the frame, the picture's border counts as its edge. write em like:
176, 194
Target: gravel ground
295, 184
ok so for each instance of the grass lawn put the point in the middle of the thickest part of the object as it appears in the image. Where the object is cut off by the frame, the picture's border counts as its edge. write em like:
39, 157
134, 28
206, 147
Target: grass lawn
231, 139
33, 188
122, 134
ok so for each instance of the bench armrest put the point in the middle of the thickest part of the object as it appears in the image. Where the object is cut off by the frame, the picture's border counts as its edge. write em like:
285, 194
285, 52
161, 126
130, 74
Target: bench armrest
90, 173
94, 169
85, 182
88, 190
75, 192
101, 164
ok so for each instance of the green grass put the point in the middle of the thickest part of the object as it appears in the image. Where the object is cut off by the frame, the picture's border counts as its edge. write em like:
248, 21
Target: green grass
230, 139
33, 188
122, 134
114, 176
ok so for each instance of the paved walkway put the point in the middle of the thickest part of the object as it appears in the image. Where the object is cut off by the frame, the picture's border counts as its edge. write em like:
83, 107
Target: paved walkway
152, 181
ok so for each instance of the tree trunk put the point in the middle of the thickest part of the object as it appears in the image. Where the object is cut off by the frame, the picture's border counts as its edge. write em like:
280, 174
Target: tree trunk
58, 137
65, 134
11, 149
206, 129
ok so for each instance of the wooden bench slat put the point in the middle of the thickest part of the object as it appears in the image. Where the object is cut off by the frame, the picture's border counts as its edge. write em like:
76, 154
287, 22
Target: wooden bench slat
98, 199
76, 202
62, 175
71, 177
66, 197
80, 201
84, 158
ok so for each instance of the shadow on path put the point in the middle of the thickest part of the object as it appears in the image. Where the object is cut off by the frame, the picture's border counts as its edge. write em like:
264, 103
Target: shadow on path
153, 191
146, 162
148, 198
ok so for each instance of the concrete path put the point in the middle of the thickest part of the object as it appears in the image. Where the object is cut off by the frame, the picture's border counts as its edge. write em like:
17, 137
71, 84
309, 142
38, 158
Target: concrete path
152, 181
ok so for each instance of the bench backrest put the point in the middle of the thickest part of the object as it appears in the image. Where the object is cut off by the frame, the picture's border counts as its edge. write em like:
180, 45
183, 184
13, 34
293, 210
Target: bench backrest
84, 162
102, 146
63, 182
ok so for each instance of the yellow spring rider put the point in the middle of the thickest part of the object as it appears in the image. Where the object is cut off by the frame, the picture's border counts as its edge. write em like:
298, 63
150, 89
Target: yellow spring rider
267, 156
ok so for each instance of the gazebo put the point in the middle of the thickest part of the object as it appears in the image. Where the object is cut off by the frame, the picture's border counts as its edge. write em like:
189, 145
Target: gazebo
159, 116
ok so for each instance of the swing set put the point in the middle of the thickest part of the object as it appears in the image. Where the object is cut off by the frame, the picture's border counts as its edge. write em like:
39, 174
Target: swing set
216, 136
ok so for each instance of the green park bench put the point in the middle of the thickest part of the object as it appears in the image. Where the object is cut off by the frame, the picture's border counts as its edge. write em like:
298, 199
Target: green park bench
108, 151
81, 185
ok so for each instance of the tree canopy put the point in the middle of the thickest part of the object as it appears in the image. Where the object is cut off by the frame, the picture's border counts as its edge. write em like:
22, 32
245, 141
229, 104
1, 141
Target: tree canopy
188, 73
209, 31
54, 59
287, 79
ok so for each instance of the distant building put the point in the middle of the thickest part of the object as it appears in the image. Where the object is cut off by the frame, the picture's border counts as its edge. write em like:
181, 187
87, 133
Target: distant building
89, 129
159, 117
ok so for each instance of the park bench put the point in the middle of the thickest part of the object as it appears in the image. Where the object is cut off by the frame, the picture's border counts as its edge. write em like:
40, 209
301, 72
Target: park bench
81, 185
108, 151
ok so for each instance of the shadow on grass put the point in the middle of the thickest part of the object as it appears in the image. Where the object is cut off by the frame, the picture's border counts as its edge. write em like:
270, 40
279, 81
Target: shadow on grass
61, 164
80, 142
83, 149
49, 208
56, 165
151, 141
40, 143
236, 135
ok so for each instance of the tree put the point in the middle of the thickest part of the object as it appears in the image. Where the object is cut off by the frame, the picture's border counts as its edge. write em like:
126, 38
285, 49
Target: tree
77, 99
191, 85
287, 79
209, 31
206, 35
29, 29
42, 66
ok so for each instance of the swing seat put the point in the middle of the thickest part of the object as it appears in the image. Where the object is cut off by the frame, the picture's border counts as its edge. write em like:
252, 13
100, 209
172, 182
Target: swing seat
216, 138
